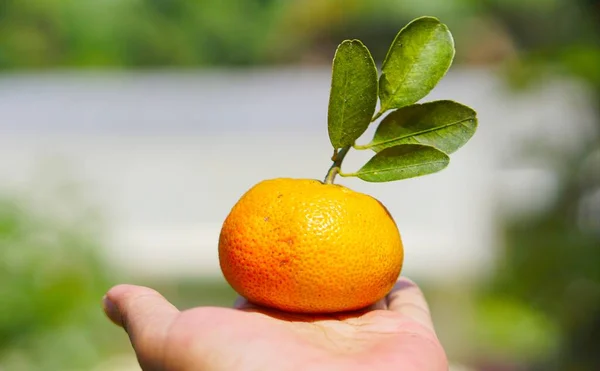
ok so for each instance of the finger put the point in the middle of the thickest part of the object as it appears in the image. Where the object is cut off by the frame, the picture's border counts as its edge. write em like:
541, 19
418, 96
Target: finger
146, 317
406, 298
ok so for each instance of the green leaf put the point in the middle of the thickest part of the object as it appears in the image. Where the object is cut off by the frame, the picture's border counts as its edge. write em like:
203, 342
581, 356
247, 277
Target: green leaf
444, 124
353, 95
417, 60
403, 162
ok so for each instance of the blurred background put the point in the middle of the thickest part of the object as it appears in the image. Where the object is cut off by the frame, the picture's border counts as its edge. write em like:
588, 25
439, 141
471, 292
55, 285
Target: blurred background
128, 129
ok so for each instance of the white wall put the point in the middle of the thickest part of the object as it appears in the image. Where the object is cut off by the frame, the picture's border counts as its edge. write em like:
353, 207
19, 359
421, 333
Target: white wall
167, 155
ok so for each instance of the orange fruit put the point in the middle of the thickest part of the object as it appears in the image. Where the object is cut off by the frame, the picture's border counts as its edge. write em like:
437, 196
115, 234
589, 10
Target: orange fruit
301, 245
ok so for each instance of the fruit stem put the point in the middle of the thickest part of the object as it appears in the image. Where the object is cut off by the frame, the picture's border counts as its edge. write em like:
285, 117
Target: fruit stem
337, 165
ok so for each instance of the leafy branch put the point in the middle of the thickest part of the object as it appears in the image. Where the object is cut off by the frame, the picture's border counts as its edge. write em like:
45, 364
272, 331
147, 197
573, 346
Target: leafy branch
414, 139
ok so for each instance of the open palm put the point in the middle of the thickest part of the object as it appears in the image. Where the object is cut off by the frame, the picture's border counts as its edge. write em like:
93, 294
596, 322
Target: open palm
394, 334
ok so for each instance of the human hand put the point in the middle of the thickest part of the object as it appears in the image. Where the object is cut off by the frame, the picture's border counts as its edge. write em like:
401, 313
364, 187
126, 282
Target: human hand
394, 334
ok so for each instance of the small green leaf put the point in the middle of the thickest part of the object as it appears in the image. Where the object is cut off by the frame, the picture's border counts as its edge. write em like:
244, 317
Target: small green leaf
353, 95
403, 162
417, 60
444, 124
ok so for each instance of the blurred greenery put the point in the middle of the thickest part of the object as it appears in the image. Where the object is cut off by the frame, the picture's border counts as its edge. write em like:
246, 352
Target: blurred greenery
550, 265
52, 280
51, 283
541, 308
190, 293
513, 329
41, 34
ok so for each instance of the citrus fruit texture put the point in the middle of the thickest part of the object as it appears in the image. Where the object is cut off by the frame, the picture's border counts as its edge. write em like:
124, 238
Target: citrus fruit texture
304, 246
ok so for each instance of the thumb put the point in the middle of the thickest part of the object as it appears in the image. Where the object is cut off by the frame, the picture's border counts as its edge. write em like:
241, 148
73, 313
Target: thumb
407, 299
146, 317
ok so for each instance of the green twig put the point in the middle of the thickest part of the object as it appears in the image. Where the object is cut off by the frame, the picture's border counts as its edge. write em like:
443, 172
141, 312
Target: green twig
361, 147
336, 166
338, 157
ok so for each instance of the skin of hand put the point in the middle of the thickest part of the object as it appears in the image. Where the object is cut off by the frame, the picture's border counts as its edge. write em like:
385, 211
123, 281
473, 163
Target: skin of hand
394, 334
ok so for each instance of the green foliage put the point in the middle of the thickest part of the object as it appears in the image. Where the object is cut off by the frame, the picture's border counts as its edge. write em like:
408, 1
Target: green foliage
42, 34
53, 277
415, 139
402, 162
417, 60
513, 329
551, 258
51, 282
551, 263
353, 94
88, 33
445, 125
